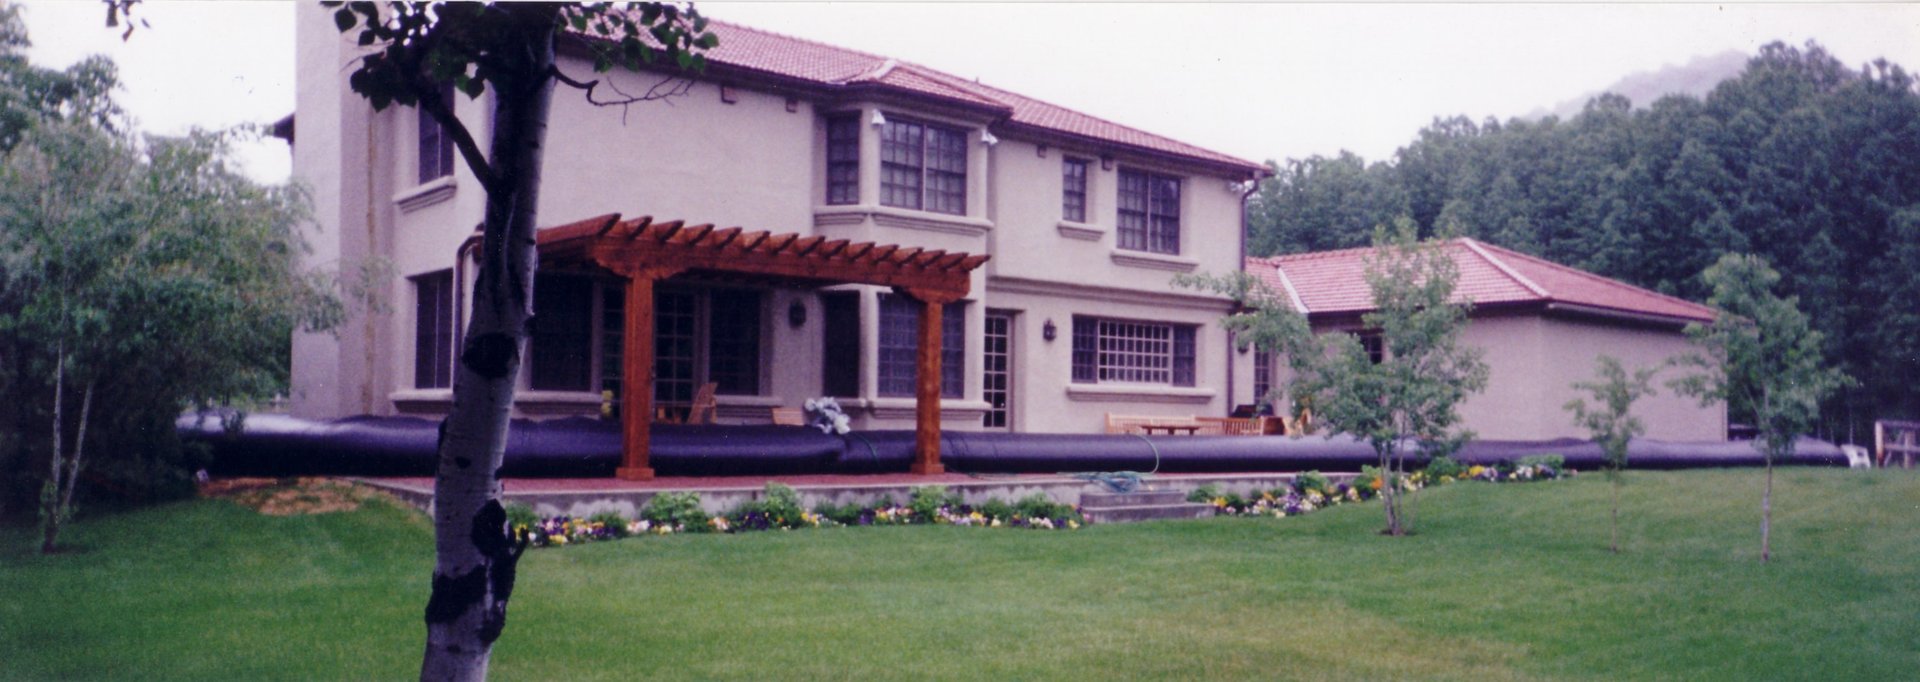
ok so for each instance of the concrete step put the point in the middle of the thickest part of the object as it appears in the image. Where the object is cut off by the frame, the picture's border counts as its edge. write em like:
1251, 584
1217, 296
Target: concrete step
1133, 499
1148, 512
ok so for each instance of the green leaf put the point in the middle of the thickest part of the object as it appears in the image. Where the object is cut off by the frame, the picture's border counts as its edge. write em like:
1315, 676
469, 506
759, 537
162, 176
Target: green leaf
708, 41
344, 19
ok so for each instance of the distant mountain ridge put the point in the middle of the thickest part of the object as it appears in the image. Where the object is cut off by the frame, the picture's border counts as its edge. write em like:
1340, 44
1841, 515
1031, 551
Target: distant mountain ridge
1696, 77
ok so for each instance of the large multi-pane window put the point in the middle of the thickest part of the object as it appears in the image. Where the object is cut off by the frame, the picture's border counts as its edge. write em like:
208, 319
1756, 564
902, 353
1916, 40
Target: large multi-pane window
1127, 351
840, 361
560, 354
923, 167
700, 336
733, 342
843, 159
433, 330
1073, 190
436, 147
1149, 213
900, 343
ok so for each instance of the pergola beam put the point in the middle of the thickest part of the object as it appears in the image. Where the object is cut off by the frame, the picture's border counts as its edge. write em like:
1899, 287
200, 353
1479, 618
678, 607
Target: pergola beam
645, 252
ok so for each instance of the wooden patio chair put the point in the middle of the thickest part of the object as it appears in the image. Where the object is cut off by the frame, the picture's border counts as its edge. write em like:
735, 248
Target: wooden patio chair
704, 405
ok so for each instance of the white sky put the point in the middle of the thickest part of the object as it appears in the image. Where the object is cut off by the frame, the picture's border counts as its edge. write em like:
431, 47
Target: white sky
1257, 80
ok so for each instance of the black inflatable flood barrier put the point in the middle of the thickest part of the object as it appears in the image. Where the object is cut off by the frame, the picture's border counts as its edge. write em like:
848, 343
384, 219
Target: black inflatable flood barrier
277, 445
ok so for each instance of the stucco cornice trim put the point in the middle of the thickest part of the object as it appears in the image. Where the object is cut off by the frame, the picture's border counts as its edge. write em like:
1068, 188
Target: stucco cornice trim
428, 194
1138, 393
1084, 292
885, 216
1142, 259
1080, 231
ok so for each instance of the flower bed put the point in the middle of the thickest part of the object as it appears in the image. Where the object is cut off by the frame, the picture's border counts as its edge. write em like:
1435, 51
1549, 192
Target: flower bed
779, 509
1312, 491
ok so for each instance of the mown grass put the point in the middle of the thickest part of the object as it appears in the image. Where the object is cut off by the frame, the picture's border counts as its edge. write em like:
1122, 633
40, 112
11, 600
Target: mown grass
1502, 582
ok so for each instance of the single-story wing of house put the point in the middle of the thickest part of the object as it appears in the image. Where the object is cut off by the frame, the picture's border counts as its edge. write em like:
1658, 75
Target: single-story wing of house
1541, 324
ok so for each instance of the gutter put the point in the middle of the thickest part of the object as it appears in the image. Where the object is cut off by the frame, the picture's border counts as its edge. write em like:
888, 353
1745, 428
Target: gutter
1654, 319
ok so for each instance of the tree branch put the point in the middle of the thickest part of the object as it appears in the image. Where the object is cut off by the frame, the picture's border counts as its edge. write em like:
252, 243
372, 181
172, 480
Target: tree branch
668, 87
442, 112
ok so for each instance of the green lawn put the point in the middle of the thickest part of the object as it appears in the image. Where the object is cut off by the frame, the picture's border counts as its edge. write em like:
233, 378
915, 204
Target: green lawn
1503, 582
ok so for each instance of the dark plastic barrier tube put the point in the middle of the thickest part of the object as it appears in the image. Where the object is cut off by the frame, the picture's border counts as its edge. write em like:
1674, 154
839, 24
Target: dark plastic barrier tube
275, 445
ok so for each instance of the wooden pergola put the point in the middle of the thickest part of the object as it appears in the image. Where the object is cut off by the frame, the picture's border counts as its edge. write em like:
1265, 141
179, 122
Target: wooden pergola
644, 252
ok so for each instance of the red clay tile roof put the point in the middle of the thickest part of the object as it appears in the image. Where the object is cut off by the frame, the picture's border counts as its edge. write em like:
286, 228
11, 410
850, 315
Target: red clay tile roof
744, 47
1334, 282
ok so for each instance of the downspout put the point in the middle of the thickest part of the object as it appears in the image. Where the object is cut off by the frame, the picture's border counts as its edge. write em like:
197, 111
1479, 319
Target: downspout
1241, 265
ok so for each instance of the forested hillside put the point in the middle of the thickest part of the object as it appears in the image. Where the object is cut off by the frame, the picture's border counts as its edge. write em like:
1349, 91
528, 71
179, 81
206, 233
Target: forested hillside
1802, 159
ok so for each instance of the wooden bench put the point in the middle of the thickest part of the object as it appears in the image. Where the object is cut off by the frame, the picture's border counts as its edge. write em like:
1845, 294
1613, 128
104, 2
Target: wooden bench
1892, 438
1120, 423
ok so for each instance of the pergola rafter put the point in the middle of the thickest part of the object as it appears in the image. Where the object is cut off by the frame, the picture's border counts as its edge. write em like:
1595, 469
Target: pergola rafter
644, 252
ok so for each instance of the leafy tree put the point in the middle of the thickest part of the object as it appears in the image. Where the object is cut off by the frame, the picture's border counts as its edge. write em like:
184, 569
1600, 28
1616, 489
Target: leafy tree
30, 94
416, 48
1610, 419
1760, 356
137, 282
1408, 398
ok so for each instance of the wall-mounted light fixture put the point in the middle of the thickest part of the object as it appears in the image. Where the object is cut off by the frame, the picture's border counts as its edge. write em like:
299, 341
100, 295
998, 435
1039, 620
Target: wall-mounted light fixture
878, 119
1048, 331
797, 314
1040, 150
987, 138
1106, 162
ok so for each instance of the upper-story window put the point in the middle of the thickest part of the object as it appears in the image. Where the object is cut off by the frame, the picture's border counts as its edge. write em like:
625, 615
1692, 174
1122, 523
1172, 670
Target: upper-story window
1149, 212
436, 146
1073, 190
843, 159
923, 167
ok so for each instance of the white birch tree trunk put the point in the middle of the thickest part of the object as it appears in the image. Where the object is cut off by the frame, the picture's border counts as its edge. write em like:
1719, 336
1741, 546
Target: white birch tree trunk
476, 554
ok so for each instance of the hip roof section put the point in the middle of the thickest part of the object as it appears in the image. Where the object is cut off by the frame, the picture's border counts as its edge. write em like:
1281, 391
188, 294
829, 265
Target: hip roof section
830, 66
1335, 283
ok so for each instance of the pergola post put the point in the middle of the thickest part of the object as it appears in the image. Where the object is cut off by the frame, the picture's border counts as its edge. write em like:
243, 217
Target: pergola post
926, 404
636, 375
644, 251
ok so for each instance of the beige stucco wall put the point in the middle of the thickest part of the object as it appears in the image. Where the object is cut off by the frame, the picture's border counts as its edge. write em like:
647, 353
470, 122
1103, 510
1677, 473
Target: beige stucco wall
1533, 361
757, 161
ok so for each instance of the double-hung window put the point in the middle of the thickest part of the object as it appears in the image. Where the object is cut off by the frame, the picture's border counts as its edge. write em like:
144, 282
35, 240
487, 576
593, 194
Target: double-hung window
1149, 217
843, 159
433, 330
436, 146
1073, 190
900, 347
1127, 351
923, 167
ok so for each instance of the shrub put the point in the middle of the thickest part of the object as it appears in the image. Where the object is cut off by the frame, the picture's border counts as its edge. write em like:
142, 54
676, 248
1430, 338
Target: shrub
677, 509
1039, 506
615, 524
1312, 481
1556, 462
521, 515
927, 501
1443, 466
1205, 494
846, 515
997, 509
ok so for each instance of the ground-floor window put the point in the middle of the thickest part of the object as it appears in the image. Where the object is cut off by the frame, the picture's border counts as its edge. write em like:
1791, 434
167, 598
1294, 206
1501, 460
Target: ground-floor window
1262, 376
996, 376
433, 330
700, 335
1128, 351
900, 343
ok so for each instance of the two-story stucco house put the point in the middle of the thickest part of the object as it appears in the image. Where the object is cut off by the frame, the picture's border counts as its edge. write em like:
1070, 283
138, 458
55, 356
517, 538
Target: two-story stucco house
1086, 222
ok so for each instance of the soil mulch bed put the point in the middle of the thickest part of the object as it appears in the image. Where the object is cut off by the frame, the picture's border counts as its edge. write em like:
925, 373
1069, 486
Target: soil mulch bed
290, 496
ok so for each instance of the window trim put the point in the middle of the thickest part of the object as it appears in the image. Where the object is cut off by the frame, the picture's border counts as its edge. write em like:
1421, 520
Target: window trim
1151, 234
918, 165
1069, 212
1089, 356
953, 349
851, 186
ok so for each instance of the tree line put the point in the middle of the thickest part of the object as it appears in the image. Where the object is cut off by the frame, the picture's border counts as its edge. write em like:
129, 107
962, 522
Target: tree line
1800, 159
